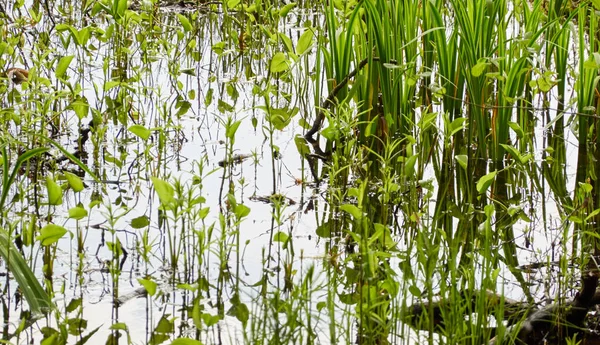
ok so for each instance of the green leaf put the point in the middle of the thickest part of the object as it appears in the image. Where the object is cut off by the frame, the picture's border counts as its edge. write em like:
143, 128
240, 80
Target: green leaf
73, 305
74, 181
210, 320
354, 211
121, 7
165, 326
119, 326
324, 230
415, 291
409, 165
305, 41
301, 145
185, 22
50, 234
186, 341
240, 311
457, 125
462, 160
37, 298
233, 3
479, 68
279, 63
586, 187
517, 129
230, 130
54, 191
164, 190
140, 131
593, 214
281, 237
62, 66
77, 213
485, 181
149, 285
81, 107
196, 314
140, 222
241, 211
87, 336
280, 117
286, 9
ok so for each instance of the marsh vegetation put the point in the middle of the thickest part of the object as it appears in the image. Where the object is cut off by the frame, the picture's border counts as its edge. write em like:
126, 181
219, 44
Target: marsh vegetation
263, 172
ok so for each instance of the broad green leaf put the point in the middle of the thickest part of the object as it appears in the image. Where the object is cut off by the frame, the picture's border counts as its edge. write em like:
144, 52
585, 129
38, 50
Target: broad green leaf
210, 320
415, 291
185, 22
593, 62
218, 48
120, 326
140, 131
240, 311
305, 41
73, 305
279, 63
516, 155
324, 230
286, 9
462, 160
485, 181
164, 190
121, 7
354, 211
140, 222
586, 187
281, 237
409, 165
287, 43
108, 85
241, 211
165, 326
231, 130
457, 125
77, 213
62, 66
149, 285
479, 68
50, 234
74, 181
54, 191
280, 117
81, 107
301, 145
593, 214
517, 129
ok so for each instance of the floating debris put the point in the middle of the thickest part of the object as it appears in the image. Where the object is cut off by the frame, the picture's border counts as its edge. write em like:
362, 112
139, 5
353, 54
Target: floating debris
274, 198
17, 75
137, 293
236, 159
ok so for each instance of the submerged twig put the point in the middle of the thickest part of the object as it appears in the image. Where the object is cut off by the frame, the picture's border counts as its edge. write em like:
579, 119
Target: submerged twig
327, 103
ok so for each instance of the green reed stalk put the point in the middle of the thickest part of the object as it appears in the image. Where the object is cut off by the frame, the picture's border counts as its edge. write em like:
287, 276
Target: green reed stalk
585, 88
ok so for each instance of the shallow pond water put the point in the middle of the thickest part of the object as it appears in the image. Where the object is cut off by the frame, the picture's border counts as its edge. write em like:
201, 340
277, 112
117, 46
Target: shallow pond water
200, 216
